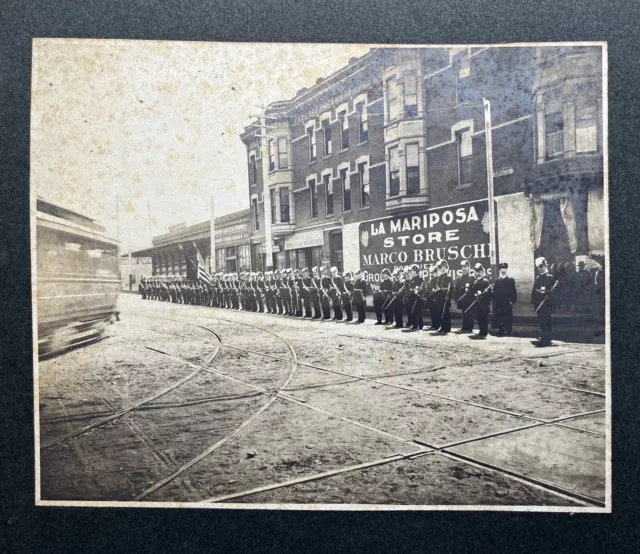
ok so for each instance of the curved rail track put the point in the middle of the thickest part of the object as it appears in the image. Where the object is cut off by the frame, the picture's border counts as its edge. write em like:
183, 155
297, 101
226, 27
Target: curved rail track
281, 392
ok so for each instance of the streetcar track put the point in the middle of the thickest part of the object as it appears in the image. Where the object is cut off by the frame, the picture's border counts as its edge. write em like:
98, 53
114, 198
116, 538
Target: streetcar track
281, 393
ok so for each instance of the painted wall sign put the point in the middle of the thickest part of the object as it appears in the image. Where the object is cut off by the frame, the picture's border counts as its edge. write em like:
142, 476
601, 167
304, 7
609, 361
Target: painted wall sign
305, 239
452, 233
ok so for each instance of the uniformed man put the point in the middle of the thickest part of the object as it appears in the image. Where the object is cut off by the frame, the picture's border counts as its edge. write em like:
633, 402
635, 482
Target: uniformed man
414, 299
296, 292
359, 294
504, 297
307, 290
285, 292
277, 278
325, 293
463, 297
442, 297
481, 292
542, 299
335, 293
395, 305
382, 296
347, 295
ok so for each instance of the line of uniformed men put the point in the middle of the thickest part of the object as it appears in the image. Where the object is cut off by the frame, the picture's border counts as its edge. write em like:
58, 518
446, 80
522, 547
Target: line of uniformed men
317, 293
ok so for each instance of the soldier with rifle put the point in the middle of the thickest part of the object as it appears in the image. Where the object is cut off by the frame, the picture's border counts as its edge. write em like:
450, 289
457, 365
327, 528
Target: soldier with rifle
335, 293
309, 295
463, 298
325, 293
442, 296
542, 299
381, 295
434, 314
414, 299
481, 292
360, 289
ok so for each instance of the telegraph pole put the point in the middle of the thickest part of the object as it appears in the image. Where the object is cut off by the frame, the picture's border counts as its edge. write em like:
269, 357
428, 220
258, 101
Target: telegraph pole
212, 259
150, 232
266, 197
492, 209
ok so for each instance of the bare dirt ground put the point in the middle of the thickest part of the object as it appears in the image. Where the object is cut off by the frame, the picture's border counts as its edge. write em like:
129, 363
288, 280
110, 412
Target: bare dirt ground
194, 404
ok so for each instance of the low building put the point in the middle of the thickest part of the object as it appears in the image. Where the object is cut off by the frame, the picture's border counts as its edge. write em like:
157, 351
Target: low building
384, 163
170, 250
134, 267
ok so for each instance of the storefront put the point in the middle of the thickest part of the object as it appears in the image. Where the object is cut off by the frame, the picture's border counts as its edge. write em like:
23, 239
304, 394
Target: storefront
304, 249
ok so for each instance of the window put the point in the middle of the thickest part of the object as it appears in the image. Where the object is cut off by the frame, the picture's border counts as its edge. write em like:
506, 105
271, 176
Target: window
394, 172
413, 169
363, 124
346, 189
327, 181
311, 136
465, 157
586, 121
272, 157
463, 67
256, 214
284, 205
365, 192
344, 128
554, 125
230, 252
393, 102
283, 158
253, 170
410, 95
326, 131
313, 193
272, 202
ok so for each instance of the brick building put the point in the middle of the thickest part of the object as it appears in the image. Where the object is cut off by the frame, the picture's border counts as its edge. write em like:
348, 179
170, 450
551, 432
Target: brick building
384, 162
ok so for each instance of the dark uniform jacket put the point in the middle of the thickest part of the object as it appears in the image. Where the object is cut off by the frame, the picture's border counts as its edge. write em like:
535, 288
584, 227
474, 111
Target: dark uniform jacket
504, 291
462, 295
541, 288
480, 292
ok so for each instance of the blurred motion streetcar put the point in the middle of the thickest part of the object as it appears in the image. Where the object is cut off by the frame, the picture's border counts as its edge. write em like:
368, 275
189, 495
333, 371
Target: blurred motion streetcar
77, 279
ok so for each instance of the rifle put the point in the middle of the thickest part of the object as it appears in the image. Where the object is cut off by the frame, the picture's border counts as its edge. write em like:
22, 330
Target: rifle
476, 300
444, 309
547, 296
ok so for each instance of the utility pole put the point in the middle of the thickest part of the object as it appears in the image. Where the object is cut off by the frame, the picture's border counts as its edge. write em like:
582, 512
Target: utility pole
266, 197
212, 259
129, 240
150, 232
492, 209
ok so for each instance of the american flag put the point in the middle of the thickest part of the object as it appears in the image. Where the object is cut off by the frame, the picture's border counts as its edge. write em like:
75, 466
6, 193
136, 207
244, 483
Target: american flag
202, 273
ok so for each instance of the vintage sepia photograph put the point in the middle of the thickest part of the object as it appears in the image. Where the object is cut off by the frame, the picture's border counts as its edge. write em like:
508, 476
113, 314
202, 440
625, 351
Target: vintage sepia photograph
320, 276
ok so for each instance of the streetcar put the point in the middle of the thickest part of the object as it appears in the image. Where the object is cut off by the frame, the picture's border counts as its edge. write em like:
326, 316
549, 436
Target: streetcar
77, 279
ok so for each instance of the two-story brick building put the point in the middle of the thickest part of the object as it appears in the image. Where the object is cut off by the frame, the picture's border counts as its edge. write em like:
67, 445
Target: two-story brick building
384, 162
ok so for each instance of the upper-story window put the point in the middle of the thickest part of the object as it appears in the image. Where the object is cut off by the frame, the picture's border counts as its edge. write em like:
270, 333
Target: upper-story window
256, 214
253, 169
327, 181
272, 202
344, 128
464, 67
272, 156
413, 169
363, 123
554, 131
326, 134
346, 189
311, 137
284, 205
394, 172
465, 156
410, 95
393, 101
283, 156
313, 196
365, 191
586, 109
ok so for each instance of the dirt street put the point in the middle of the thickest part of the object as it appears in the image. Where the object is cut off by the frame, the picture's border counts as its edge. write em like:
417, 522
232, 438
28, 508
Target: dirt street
194, 404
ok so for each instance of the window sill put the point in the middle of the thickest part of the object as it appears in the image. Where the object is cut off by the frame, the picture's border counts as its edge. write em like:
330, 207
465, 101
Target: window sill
346, 211
464, 186
313, 161
329, 215
363, 142
327, 156
343, 150
367, 207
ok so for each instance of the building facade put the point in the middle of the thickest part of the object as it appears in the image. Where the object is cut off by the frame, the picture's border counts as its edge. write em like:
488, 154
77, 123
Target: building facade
384, 163
232, 246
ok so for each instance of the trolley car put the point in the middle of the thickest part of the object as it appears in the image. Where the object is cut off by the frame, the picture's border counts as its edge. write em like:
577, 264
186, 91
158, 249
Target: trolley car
78, 279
